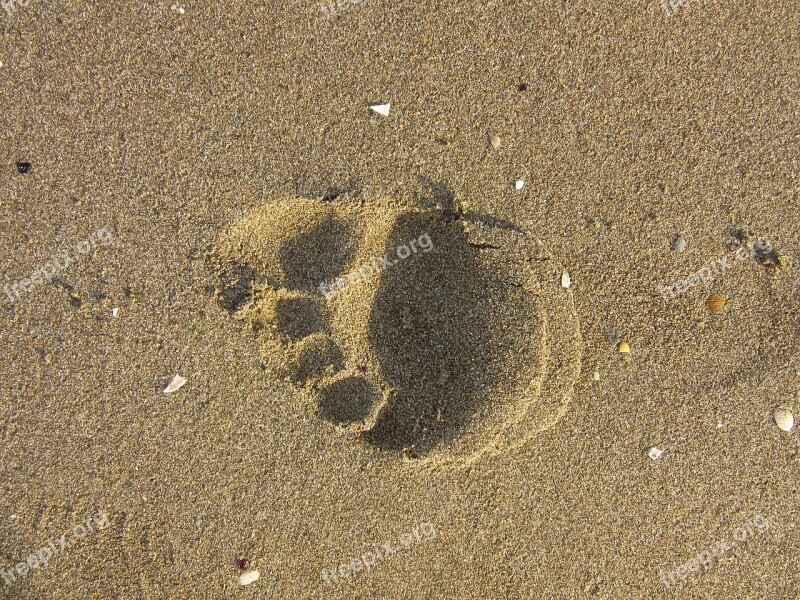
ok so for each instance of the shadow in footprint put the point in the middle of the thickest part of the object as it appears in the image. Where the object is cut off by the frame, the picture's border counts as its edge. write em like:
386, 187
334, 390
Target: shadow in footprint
236, 288
435, 333
443, 198
316, 354
318, 256
297, 318
347, 400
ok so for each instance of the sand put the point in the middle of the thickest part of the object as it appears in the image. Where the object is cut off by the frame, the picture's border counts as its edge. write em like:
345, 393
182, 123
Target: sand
457, 424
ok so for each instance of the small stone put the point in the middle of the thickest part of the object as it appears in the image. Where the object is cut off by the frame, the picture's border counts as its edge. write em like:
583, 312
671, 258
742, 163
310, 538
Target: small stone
248, 577
679, 244
409, 452
243, 563
655, 453
519, 184
381, 109
176, 384
23, 167
565, 280
494, 140
523, 87
784, 419
596, 376
624, 347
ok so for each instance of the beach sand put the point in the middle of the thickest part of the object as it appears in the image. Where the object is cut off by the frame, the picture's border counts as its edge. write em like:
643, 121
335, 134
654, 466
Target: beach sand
205, 182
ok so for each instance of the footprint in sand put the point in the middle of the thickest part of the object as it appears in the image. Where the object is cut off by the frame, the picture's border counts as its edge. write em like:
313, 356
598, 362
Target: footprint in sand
435, 333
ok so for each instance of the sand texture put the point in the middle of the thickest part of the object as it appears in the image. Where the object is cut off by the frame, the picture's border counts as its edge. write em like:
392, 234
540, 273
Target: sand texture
530, 331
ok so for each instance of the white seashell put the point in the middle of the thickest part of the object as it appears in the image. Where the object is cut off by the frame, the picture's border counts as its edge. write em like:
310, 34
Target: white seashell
248, 577
565, 280
655, 453
381, 109
114, 312
519, 184
176, 384
784, 418
679, 245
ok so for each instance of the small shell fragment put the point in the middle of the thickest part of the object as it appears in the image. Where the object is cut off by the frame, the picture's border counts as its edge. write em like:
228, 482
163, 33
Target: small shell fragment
565, 280
381, 109
596, 376
715, 303
624, 347
679, 244
655, 453
519, 184
248, 577
176, 384
784, 418
494, 140
114, 312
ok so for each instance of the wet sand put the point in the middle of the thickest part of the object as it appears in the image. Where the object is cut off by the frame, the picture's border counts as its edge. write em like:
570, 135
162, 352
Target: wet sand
510, 454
